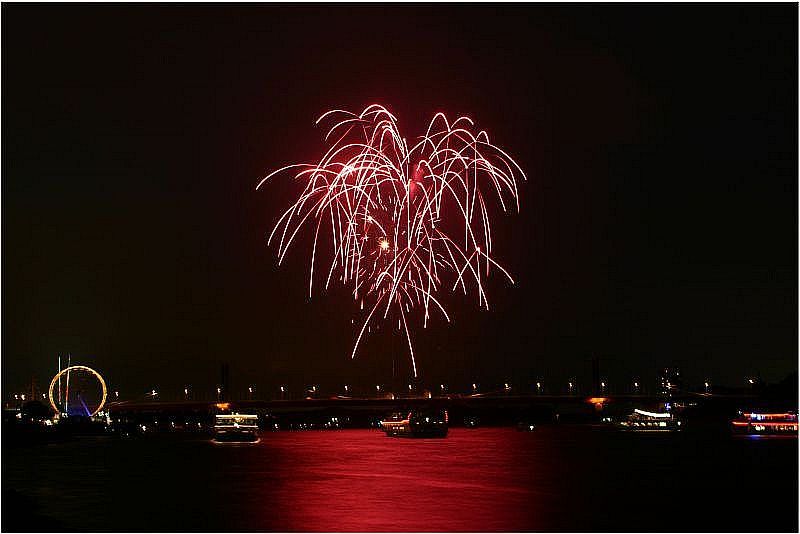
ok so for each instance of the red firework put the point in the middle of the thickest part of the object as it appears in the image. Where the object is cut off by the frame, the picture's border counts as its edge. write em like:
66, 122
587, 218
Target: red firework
383, 202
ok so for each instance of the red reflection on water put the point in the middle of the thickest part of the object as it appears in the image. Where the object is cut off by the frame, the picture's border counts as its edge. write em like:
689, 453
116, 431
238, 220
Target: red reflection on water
365, 481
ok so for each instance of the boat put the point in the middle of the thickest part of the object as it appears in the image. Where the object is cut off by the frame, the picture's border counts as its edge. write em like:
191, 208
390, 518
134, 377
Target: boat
644, 421
416, 424
757, 424
241, 428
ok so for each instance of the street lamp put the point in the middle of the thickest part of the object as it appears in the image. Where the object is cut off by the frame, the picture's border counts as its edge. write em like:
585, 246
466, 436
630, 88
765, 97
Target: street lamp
707, 386
219, 393
538, 387
571, 385
474, 387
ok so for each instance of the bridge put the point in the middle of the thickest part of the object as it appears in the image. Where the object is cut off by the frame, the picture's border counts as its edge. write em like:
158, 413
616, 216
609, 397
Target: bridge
489, 408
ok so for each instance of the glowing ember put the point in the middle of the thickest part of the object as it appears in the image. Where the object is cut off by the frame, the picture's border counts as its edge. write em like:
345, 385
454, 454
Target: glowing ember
424, 205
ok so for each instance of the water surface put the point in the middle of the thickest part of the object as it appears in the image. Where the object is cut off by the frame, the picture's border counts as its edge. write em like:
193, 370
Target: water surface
485, 479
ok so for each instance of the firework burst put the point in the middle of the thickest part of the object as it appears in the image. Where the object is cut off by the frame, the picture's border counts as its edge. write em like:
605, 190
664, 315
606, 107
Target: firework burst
401, 222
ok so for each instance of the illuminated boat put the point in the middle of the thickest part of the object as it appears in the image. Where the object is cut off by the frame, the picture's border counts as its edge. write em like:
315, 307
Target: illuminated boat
236, 428
765, 424
416, 424
644, 421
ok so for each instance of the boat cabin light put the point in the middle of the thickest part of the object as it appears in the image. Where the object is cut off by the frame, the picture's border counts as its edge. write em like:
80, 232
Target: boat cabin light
653, 414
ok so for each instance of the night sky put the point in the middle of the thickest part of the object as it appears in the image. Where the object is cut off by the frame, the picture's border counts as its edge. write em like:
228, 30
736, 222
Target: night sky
658, 224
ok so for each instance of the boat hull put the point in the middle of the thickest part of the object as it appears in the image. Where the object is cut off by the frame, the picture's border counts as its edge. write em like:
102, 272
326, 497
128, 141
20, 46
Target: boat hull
405, 432
235, 437
422, 424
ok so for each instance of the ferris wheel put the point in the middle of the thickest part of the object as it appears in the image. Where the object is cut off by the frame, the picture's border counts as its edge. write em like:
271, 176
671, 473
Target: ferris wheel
77, 390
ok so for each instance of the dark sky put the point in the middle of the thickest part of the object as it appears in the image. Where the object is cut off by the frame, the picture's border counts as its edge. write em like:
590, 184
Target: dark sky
658, 225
